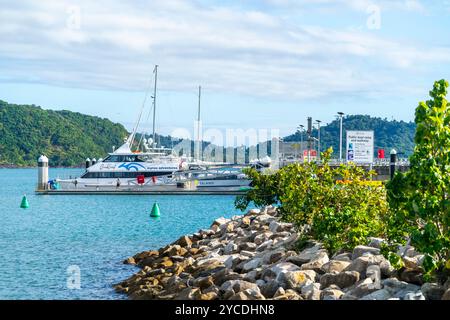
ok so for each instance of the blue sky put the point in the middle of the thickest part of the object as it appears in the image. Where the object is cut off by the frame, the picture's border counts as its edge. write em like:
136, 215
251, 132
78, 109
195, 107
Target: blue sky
261, 64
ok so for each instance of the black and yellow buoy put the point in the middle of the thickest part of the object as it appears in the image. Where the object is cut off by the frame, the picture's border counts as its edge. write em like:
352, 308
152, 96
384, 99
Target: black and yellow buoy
155, 211
24, 204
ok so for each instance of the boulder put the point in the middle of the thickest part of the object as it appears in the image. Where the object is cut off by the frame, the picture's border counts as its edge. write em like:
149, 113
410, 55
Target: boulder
331, 294
335, 266
359, 265
342, 280
307, 255
261, 238
376, 242
358, 251
230, 248
265, 245
273, 256
433, 291
270, 288
398, 288
414, 296
346, 256
413, 263
129, 260
220, 221
386, 269
382, 294
364, 288
237, 286
251, 276
189, 294
374, 272
253, 211
412, 276
280, 292
252, 264
184, 241
209, 296
316, 264
312, 291
296, 279
204, 282
248, 246
281, 268
446, 295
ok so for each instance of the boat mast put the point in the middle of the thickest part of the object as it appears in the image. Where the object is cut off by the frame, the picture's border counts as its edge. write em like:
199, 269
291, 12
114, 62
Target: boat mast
155, 71
198, 123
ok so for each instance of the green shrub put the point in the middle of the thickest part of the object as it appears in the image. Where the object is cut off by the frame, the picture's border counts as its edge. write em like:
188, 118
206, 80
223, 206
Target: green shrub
419, 199
341, 215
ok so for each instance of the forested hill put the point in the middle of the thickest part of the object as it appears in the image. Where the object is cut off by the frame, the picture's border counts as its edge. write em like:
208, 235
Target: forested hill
66, 138
388, 134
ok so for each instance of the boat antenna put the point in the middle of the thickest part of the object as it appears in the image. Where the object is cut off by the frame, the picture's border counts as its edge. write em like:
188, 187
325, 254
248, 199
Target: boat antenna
155, 71
131, 140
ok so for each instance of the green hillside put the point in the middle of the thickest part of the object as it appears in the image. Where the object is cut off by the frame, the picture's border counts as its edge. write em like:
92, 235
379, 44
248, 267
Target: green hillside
65, 137
388, 134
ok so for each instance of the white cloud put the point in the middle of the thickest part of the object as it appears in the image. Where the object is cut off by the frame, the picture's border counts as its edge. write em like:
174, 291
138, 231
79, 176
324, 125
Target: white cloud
230, 51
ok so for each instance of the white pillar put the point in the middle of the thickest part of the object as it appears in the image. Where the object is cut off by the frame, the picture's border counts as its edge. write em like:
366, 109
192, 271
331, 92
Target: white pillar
42, 172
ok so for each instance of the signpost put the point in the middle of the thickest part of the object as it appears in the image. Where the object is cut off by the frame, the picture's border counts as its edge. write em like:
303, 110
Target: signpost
360, 146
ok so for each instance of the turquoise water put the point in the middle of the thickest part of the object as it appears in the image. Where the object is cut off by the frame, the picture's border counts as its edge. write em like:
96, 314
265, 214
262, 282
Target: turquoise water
94, 233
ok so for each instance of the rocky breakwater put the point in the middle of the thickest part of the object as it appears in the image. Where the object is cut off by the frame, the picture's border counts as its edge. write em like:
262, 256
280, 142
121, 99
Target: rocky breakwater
253, 257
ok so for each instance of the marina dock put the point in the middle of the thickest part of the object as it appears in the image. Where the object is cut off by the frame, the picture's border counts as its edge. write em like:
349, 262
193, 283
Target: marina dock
162, 191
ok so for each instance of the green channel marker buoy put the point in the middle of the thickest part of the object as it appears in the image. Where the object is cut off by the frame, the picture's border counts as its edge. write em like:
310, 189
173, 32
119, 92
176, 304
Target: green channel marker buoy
155, 211
24, 204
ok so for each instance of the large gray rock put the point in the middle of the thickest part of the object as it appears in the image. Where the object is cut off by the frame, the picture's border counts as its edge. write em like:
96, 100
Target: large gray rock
270, 288
273, 256
397, 288
316, 264
262, 237
311, 291
220, 221
248, 246
413, 263
374, 272
307, 255
414, 296
364, 288
358, 251
238, 286
280, 268
382, 294
248, 294
433, 291
376, 242
335, 266
359, 265
296, 279
446, 295
230, 248
342, 280
331, 294
346, 256
252, 264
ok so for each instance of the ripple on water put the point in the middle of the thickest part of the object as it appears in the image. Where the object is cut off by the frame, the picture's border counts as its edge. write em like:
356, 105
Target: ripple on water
95, 233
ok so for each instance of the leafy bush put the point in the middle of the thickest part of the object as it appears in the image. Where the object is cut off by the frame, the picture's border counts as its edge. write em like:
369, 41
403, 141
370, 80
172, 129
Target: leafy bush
420, 198
341, 215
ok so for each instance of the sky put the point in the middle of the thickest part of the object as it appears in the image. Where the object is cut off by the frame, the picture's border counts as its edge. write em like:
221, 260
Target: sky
262, 64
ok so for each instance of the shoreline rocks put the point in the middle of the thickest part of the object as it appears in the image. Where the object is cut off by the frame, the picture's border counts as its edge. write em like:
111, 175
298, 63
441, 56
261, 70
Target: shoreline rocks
254, 257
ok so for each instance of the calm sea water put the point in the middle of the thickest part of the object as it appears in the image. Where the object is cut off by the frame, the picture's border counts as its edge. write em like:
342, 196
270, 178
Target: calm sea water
94, 233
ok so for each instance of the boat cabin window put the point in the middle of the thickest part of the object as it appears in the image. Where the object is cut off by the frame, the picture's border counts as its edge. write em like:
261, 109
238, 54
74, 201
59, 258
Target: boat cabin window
124, 158
123, 175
